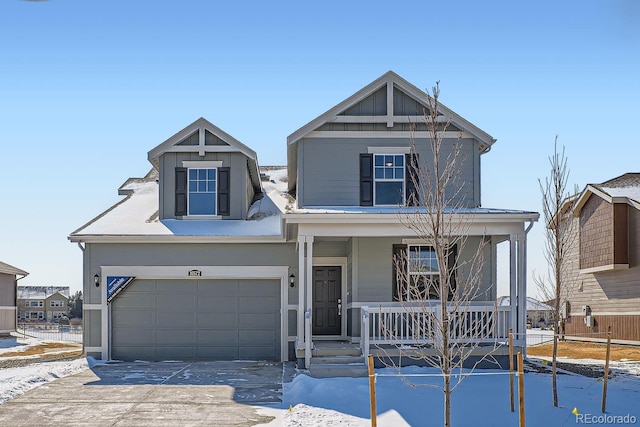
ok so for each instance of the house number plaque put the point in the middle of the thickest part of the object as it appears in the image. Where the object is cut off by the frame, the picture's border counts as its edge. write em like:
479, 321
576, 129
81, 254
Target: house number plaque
195, 273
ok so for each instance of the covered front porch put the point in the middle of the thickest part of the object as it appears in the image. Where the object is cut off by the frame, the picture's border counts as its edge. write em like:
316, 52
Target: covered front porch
356, 304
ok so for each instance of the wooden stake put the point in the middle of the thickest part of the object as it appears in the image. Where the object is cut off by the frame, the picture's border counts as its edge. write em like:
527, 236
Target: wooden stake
372, 392
511, 367
606, 371
521, 389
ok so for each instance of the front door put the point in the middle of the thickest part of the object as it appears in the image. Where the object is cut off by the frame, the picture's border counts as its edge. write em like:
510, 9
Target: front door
327, 300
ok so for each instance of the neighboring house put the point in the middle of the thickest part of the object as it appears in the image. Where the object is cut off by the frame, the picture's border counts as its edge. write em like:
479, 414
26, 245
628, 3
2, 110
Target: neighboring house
539, 314
8, 303
605, 273
42, 303
203, 259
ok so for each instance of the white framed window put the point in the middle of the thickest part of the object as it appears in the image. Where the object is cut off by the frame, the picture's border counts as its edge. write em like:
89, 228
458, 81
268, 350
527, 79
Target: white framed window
388, 179
35, 304
56, 303
202, 185
424, 273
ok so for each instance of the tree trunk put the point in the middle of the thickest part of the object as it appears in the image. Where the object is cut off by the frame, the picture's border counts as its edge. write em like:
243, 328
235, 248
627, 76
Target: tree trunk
553, 368
447, 400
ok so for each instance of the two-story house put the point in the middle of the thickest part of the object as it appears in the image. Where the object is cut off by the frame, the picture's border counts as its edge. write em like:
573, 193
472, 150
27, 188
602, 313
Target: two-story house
8, 296
605, 262
204, 260
42, 303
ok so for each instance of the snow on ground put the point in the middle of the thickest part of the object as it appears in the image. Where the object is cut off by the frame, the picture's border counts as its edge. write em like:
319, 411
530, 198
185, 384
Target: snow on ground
480, 400
16, 381
15, 344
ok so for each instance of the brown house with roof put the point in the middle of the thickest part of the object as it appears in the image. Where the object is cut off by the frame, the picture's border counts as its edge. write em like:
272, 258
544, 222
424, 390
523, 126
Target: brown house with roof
8, 293
606, 261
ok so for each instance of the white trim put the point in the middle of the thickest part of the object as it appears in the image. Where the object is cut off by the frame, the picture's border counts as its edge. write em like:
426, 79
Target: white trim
606, 313
386, 134
8, 307
389, 150
608, 267
171, 238
342, 263
208, 273
202, 164
93, 349
92, 306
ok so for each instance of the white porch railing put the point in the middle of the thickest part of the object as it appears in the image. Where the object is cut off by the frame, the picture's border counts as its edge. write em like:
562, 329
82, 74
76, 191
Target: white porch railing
404, 324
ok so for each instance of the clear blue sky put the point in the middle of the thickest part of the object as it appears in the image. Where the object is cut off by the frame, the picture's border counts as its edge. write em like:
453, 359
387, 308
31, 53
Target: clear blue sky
88, 87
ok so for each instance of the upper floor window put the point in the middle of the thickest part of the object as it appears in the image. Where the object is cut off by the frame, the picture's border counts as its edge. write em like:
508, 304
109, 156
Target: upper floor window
54, 303
202, 189
388, 179
35, 304
202, 192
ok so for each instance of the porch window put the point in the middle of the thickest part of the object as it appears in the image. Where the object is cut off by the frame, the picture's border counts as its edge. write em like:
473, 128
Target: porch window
417, 273
389, 179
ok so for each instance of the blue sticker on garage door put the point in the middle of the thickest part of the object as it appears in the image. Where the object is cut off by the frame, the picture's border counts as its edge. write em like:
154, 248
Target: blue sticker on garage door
115, 284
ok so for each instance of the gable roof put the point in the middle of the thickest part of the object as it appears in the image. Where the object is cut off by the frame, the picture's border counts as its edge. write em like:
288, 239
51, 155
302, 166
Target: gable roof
9, 269
224, 143
622, 189
42, 292
388, 81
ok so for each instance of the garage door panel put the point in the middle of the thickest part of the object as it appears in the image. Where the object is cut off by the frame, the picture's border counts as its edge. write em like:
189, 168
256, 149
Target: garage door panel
221, 336
258, 305
175, 302
258, 321
217, 320
224, 304
257, 288
259, 337
196, 319
179, 319
133, 337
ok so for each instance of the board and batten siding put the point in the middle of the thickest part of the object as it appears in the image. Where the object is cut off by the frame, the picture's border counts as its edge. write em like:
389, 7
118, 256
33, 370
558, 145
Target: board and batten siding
241, 190
328, 169
7, 302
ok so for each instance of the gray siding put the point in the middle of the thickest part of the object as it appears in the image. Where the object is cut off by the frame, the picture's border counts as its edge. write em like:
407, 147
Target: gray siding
241, 189
328, 169
7, 290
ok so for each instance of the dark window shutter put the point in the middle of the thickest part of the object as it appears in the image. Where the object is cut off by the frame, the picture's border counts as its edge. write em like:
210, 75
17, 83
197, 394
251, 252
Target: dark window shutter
224, 184
412, 180
181, 191
452, 259
366, 179
399, 278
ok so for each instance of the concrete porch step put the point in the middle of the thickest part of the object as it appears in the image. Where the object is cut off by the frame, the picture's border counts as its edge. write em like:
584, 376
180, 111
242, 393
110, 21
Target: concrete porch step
338, 366
332, 348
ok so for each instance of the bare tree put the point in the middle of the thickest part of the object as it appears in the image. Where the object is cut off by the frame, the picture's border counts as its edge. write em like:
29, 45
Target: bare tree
557, 284
435, 284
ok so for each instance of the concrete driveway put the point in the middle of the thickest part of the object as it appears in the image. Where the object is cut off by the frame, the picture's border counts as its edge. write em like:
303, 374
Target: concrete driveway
154, 394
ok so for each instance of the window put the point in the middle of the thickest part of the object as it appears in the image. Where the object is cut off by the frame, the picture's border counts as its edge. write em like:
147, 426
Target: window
35, 304
417, 272
202, 188
424, 273
389, 178
202, 191
388, 173
56, 303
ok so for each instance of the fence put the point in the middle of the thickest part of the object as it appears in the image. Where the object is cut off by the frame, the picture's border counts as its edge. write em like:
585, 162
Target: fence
48, 332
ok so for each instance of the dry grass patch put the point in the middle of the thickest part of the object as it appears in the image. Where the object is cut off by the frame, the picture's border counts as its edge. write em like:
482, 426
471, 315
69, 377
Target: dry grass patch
49, 349
585, 350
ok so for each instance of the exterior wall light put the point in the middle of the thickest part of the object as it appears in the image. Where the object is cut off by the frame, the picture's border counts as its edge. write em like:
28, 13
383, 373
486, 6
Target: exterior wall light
292, 280
96, 280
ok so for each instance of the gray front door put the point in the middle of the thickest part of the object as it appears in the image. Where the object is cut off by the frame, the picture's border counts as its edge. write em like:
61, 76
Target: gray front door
327, 300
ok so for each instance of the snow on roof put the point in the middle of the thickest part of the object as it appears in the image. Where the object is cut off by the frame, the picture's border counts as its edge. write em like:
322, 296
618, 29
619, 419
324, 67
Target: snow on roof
627, 185
9, 269
137, 215
397, 210
41, 292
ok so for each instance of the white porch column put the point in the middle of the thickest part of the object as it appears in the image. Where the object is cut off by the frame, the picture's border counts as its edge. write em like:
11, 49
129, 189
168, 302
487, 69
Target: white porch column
309, 273
522, 289
513, 285
301, 287
308, 341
